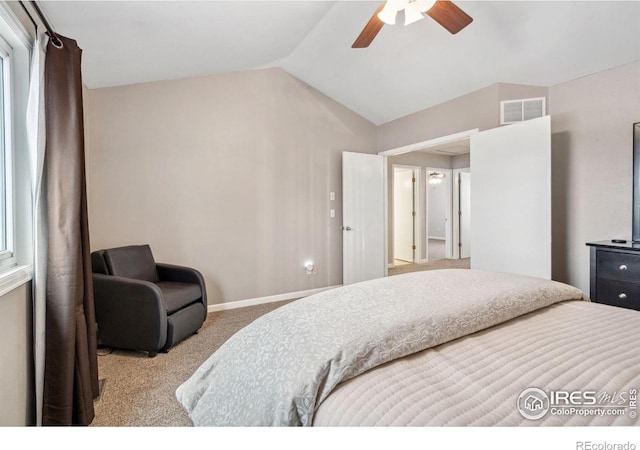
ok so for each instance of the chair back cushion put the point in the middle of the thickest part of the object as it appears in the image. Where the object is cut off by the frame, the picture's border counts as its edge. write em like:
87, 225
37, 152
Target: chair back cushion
134, 261
98, 264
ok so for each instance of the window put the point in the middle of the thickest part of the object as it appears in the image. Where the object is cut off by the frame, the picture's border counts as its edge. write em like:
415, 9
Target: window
16, 210
6, 161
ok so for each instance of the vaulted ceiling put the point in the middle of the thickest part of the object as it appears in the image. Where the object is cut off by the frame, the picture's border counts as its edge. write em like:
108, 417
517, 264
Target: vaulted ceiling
406, 69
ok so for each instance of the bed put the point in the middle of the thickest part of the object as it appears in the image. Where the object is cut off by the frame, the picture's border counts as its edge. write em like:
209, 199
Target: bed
434, 348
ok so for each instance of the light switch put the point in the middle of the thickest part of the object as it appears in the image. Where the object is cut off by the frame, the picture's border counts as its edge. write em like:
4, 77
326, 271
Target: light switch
332, 196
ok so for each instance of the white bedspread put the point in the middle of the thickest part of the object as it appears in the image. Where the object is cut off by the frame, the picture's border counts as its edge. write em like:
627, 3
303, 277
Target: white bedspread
280, 368
476, 380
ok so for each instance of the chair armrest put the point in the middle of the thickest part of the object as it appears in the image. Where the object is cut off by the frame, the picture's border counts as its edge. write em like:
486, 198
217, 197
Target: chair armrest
129, 313
181, 274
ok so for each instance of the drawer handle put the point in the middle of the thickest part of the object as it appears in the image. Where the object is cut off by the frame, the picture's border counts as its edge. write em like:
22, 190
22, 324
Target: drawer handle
622, 267
622, 296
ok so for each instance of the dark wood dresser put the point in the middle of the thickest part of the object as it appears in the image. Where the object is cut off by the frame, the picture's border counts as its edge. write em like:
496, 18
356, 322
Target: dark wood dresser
615, 273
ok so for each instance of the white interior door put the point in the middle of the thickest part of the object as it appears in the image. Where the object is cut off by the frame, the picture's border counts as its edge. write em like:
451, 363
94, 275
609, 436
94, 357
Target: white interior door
403, 217
363, 213
461, 206
511, 199
448, 229
465, 215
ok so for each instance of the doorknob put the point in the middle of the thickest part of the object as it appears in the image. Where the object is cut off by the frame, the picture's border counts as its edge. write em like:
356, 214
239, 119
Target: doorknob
346, 228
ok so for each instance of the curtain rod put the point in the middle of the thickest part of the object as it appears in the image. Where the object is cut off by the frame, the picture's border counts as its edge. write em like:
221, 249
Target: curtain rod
54, 37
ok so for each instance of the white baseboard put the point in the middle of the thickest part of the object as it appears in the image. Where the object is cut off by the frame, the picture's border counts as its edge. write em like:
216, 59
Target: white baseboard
270, 299
390, 266
423, 261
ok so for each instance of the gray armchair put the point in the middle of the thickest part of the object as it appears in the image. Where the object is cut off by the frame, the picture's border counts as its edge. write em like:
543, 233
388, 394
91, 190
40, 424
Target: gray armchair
144, 305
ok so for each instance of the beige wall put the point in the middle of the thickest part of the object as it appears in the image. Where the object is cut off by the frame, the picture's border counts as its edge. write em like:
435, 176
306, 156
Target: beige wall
592, 147
230, 174
461, 161
16, 358
236, 169
479, 109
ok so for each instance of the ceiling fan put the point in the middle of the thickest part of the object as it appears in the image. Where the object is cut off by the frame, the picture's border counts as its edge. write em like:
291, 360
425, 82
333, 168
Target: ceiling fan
442, 11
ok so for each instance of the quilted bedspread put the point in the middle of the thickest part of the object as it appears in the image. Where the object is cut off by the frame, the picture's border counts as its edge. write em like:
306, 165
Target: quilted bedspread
281, 367
477, 380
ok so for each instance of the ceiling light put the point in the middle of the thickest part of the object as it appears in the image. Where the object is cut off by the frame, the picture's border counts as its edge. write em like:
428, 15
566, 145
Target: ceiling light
390, 10
413, 10
388, 15
436, 177
412, 13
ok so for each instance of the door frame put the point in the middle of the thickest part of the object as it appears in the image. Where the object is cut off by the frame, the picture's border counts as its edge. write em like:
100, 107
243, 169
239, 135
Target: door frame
455, 250
422, 145
416, 207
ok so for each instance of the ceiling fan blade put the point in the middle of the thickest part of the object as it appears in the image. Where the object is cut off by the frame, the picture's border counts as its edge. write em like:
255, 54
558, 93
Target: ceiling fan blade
449, 16
370, 30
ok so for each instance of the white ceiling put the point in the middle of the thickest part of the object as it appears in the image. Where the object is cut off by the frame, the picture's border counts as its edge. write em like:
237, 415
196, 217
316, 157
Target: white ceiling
406, 69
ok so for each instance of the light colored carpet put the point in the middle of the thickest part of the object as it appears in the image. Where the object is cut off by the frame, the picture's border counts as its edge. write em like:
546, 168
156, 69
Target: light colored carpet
464, 263
140, 391
436, 261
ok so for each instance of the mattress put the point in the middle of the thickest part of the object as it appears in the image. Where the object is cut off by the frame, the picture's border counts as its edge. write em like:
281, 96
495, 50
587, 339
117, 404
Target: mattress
578, 347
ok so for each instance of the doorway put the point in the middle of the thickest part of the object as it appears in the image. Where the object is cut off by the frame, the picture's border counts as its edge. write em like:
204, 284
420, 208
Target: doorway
439, 155
404, 210
438, 214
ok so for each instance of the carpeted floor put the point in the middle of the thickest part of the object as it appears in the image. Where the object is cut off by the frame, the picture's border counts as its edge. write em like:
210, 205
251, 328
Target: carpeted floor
436, 249
139, 391
431, 265
436, 261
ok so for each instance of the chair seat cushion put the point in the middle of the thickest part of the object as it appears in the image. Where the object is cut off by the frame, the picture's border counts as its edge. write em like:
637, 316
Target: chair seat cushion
178, 295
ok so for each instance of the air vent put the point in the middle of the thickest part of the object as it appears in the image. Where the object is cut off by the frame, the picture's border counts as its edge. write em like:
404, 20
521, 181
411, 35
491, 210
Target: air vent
512, 111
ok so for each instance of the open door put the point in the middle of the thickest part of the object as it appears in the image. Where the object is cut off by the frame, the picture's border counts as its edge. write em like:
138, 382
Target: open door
404, 214
464, 214
511, 199
363, 231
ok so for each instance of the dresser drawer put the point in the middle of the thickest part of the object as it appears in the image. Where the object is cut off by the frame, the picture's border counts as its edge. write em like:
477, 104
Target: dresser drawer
617, 293
618, 266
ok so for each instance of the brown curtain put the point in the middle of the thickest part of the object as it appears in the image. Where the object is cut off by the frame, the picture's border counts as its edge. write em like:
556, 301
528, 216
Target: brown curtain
71, 366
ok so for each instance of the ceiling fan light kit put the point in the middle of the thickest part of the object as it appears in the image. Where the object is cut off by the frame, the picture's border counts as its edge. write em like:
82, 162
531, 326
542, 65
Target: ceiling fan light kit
413, 10
452, 18
412, 13
390, 11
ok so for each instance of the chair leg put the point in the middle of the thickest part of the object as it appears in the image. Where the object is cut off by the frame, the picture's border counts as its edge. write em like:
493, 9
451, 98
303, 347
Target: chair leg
152, 354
